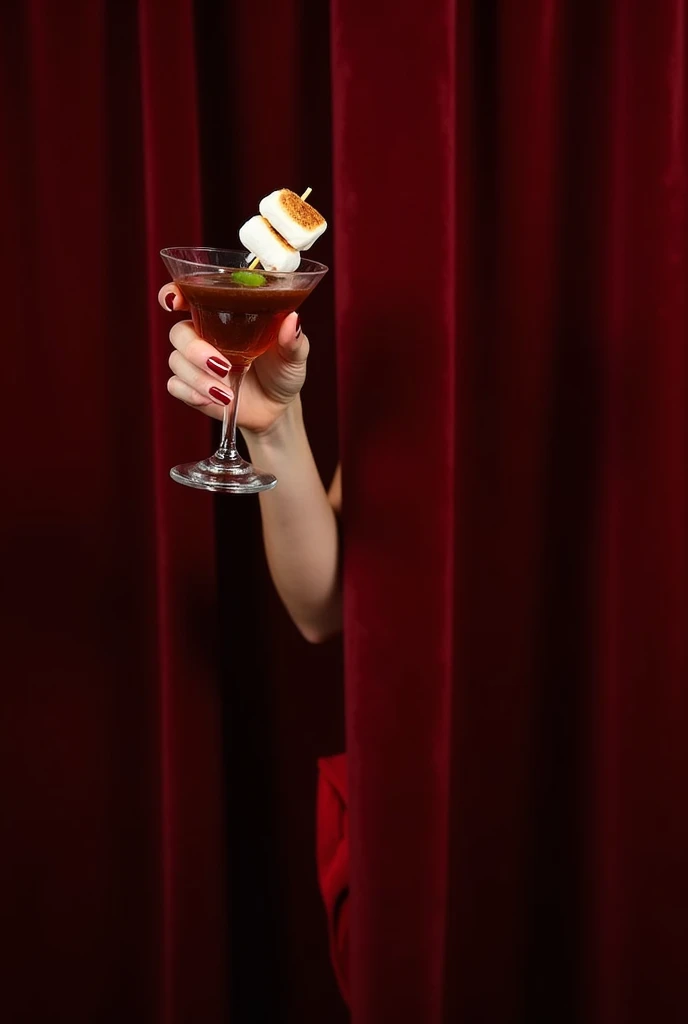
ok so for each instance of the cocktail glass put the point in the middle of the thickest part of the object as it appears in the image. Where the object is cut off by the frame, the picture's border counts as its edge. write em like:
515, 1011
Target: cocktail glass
242, 320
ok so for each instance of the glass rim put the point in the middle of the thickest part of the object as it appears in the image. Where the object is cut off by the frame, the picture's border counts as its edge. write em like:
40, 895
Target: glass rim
169, 252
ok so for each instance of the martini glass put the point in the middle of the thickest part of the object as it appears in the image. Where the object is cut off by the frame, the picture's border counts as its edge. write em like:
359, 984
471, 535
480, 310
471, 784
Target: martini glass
240, 312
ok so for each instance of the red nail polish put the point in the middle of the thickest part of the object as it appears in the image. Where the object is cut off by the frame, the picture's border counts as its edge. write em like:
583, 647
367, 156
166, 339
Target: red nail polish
218, 366
221, 396
169, 300
298, 327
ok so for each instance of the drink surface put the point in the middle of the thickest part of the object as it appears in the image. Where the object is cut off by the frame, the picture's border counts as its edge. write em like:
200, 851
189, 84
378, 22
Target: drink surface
240, 321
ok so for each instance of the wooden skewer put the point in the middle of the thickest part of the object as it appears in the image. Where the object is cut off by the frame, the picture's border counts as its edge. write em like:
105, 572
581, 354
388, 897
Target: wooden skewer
257, 259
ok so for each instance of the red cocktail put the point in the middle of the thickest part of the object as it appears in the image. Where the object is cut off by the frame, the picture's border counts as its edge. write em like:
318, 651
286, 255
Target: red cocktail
241, 321
240, 312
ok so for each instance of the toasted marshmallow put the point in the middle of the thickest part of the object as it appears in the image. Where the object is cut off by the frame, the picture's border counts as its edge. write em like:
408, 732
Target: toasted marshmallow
271, 249
294, 218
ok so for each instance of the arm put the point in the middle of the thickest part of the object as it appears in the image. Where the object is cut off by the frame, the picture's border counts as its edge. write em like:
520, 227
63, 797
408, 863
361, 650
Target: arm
300, 528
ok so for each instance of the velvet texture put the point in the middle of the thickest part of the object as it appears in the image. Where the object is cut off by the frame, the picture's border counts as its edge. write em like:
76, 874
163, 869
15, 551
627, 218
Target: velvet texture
112, 782
512, 377
157, 793
510, 211
334, 860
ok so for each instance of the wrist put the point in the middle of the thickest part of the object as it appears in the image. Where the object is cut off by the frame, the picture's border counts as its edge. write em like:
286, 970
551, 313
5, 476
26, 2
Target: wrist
281, 432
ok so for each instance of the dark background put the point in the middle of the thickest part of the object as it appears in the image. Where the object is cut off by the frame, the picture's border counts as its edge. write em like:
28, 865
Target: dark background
284, 701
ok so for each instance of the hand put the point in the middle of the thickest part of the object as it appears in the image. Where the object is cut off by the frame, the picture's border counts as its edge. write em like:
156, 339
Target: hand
273, 382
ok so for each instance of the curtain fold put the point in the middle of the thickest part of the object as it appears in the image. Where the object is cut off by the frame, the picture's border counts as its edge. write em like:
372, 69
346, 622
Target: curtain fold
510, 200
158, 759
396, 266
113, 856
640, 702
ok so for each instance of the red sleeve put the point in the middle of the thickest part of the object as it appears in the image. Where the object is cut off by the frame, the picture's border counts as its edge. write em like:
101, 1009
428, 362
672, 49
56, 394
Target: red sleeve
333, 860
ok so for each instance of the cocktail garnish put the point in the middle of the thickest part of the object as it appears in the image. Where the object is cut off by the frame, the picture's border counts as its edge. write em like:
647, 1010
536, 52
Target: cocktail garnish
308, 223
249, 278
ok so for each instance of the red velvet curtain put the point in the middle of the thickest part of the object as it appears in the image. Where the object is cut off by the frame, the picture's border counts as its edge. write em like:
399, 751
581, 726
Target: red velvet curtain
509, 222
112, 783
510, 211
158, 769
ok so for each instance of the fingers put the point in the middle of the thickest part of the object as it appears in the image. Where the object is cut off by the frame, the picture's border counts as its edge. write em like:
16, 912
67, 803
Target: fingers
292, 343
203, 384
200, 371
170, 298
178, 389
197, 351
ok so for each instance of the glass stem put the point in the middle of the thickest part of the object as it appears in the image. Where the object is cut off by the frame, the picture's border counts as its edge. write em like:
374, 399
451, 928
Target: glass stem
228, 449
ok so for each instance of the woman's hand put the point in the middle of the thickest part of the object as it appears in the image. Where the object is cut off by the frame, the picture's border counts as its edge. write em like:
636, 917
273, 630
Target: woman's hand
200, 372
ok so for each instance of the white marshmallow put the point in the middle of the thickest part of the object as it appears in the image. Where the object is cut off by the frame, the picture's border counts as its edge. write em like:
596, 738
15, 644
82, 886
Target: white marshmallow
271, 249
294, 218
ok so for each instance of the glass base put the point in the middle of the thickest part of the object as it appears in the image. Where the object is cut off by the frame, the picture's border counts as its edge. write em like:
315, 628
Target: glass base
224, 476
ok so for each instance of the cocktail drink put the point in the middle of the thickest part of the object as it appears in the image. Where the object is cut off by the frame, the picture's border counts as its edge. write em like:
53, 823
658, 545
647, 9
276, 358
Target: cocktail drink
240, 312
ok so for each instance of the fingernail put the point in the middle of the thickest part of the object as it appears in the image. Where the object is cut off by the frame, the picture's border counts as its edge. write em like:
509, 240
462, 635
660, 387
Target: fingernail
297, 332
220, 396
218, 366
169, 300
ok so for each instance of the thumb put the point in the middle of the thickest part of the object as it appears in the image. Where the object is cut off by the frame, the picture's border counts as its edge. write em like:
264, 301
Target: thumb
292, 342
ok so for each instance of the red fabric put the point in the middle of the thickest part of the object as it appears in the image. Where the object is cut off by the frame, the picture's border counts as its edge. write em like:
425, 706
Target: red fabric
333, 860
113, 860
510, 214
156, 789
513, 426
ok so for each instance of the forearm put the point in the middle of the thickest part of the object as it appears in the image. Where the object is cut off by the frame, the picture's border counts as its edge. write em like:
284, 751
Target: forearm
300, 528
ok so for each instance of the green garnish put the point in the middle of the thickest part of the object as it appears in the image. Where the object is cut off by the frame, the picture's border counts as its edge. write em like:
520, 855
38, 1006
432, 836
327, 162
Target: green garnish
249, 278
